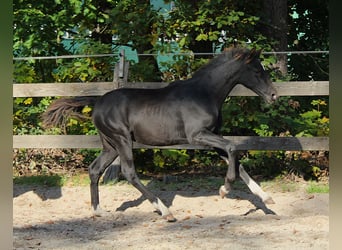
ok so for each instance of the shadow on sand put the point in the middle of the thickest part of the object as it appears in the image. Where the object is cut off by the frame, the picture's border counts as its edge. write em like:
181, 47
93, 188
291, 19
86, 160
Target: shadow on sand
46, 187
168, 196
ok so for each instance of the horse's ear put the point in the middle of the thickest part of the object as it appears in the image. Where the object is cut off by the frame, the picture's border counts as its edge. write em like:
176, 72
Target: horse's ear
239, 53
253, 54
239, 56
258, 53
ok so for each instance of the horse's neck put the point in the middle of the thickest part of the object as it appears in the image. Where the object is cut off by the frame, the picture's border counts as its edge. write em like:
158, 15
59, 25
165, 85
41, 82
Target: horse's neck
221, 80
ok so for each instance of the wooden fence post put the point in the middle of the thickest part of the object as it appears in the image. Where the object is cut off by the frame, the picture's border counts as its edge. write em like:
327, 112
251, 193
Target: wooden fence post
121, 71
120, 80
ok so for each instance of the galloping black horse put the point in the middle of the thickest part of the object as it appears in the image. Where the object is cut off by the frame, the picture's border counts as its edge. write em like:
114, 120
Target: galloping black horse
186, 111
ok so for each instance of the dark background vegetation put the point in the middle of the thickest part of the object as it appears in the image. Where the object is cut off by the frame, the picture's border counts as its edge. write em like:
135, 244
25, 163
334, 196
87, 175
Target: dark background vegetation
43, 28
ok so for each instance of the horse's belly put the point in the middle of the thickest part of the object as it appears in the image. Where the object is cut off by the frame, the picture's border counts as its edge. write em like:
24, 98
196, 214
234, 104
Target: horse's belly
158, 134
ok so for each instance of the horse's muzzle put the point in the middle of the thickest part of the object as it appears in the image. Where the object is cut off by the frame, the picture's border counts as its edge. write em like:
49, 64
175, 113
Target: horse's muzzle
271, 99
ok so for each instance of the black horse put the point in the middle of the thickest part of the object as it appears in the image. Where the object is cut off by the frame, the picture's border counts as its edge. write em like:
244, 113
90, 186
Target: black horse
184, 112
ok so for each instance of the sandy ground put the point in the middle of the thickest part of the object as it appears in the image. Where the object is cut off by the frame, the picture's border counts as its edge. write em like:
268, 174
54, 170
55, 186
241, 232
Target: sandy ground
61, 218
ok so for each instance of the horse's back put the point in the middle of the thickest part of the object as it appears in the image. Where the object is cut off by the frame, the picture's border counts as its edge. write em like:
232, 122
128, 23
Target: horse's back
139, 98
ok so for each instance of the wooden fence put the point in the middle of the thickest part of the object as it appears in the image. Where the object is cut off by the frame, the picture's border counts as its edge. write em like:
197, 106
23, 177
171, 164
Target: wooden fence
311, 88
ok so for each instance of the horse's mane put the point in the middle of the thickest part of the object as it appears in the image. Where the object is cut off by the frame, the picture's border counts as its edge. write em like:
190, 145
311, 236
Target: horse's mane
227, 55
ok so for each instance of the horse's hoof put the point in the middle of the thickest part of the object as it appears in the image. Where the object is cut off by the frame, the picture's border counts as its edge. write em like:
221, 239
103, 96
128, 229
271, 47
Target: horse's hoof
269, 200
223, 191
99, 212
169, 218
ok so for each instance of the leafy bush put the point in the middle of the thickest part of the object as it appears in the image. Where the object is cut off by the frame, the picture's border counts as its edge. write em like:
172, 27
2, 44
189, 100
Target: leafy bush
87, 69
26, 115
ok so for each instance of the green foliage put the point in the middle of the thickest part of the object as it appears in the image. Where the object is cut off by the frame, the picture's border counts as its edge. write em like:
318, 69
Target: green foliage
157, 161
24, 72
136, 24
285, 118
181, 67
251, 116
263, 130
37, 26
27, 111
168, 158
198, 24
37, 31
309, 30
142, 71
26, 115
87, 69
271, 164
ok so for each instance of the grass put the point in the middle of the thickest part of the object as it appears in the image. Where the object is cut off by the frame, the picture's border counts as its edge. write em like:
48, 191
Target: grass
40, 180
52, 180
317, 188
280, 185
82, 179
284, 185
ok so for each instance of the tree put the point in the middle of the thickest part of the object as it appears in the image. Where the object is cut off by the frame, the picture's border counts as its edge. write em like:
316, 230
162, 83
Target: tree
135, 24
204, 26
309, 31
38, 26
274, 25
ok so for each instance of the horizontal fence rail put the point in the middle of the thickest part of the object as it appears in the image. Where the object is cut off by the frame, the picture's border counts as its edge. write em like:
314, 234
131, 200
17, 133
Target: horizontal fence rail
310, 88
242, 142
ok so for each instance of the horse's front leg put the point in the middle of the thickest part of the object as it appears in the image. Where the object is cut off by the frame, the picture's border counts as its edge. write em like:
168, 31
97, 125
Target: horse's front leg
231, 176
254, 187
230, 159
225, 149
208, 138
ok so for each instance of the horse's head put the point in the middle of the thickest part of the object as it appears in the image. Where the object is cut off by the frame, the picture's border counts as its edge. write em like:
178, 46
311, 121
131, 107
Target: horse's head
254, 76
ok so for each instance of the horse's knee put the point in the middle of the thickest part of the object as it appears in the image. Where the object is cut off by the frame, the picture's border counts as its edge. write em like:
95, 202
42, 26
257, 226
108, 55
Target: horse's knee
94, 180
231, 174
94, 172
230, 178
231, 150
129, 174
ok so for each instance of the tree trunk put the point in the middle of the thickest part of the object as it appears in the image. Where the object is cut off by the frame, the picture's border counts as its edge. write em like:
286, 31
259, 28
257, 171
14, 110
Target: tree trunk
275, 27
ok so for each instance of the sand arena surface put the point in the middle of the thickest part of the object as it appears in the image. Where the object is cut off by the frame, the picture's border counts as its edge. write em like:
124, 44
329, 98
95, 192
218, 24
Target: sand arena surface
61, 218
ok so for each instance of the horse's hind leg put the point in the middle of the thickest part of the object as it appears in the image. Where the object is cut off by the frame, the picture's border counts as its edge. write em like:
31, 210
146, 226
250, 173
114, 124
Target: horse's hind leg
128, 170
96, 169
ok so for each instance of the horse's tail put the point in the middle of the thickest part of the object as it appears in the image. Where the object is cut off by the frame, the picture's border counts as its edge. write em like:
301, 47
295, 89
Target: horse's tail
60, 110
